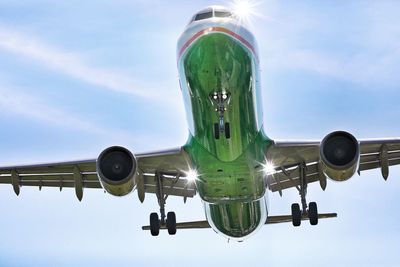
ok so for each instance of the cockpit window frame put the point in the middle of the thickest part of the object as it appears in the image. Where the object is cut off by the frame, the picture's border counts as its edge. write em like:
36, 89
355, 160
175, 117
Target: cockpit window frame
204, 15
214, 13
224, 13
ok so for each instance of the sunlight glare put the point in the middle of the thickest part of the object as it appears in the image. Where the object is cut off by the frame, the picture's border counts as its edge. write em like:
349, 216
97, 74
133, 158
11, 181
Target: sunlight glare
244, 10
191, 176
269, 168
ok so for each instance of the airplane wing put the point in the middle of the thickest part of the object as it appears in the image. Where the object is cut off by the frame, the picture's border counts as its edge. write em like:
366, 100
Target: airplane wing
172, 164
287, 157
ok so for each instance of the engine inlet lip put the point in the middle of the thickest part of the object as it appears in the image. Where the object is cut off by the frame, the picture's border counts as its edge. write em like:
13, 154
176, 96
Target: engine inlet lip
340, 167
128, 177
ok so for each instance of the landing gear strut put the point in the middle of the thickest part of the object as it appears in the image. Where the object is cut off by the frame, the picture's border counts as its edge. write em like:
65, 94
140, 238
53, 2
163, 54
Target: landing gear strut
168, 221
220, 101
312, 210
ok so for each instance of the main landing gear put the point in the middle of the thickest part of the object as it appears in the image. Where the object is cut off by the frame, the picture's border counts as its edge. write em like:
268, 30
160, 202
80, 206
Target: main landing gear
310, 212
168, 221
155, 223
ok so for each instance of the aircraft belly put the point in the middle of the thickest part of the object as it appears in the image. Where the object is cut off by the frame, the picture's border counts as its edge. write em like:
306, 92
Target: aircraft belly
239, 180
229, 166
217, 63
230, 174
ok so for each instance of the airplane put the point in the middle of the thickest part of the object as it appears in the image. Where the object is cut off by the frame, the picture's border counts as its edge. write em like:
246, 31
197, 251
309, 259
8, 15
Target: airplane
228, 159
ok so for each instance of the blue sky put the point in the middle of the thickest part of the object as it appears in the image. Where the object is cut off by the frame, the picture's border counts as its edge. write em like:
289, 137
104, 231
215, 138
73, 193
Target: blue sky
78, 76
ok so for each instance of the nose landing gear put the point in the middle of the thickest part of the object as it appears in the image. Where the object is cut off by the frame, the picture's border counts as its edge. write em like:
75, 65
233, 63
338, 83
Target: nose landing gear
221, 100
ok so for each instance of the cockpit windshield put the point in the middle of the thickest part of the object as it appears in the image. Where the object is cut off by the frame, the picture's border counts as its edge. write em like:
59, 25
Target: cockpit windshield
213, 12
202, 16
222, 14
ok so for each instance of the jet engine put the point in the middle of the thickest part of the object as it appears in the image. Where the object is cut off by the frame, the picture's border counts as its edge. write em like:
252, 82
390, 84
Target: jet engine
340, 155
117, 169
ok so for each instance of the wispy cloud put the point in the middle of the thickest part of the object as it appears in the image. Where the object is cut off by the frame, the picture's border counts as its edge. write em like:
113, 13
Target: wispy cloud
12, 101
15, 102
73, 65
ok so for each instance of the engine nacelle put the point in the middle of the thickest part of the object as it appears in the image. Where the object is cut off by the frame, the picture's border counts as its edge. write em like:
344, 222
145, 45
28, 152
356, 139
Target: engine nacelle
117, 169
340, 155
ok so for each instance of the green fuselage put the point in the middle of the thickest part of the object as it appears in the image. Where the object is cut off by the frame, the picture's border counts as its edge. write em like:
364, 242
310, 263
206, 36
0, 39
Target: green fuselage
220, 86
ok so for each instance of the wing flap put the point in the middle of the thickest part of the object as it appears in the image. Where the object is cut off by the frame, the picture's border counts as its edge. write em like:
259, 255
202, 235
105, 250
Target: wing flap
289, 153
53, 180
180, 192
377, 164
285, 179
172, 185
60, 184
167, 182
55, 177
168, 161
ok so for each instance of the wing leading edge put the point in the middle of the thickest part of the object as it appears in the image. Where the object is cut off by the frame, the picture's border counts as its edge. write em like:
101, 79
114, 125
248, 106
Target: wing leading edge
171, 165
287, 158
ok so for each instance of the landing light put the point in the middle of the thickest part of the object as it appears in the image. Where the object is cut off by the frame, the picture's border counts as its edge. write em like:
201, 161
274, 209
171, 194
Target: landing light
191, 176
269, 168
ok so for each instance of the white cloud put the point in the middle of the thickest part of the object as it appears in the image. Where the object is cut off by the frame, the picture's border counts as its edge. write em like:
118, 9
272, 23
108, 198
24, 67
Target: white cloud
14, 102
72, 65
20, 102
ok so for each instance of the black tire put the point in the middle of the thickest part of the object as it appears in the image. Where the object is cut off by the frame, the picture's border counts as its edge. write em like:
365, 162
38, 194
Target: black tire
296, 215
171, 223
216, 130
227, 130
313, 213
154, 224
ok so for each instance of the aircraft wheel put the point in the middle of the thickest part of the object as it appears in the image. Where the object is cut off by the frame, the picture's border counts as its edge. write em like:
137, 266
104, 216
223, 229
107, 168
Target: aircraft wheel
171, 223
313, 213
154, 224
296, 215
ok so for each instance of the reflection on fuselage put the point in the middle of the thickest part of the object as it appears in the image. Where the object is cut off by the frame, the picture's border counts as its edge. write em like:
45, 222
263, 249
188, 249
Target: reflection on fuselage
218, 56
236, 219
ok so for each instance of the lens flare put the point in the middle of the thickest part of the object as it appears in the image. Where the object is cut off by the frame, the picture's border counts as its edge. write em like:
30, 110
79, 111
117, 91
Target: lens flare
191, 176
244, 10
269, 168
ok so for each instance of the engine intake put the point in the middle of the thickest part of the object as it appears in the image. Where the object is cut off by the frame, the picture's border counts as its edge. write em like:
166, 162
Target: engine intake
117, 168
340, 155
